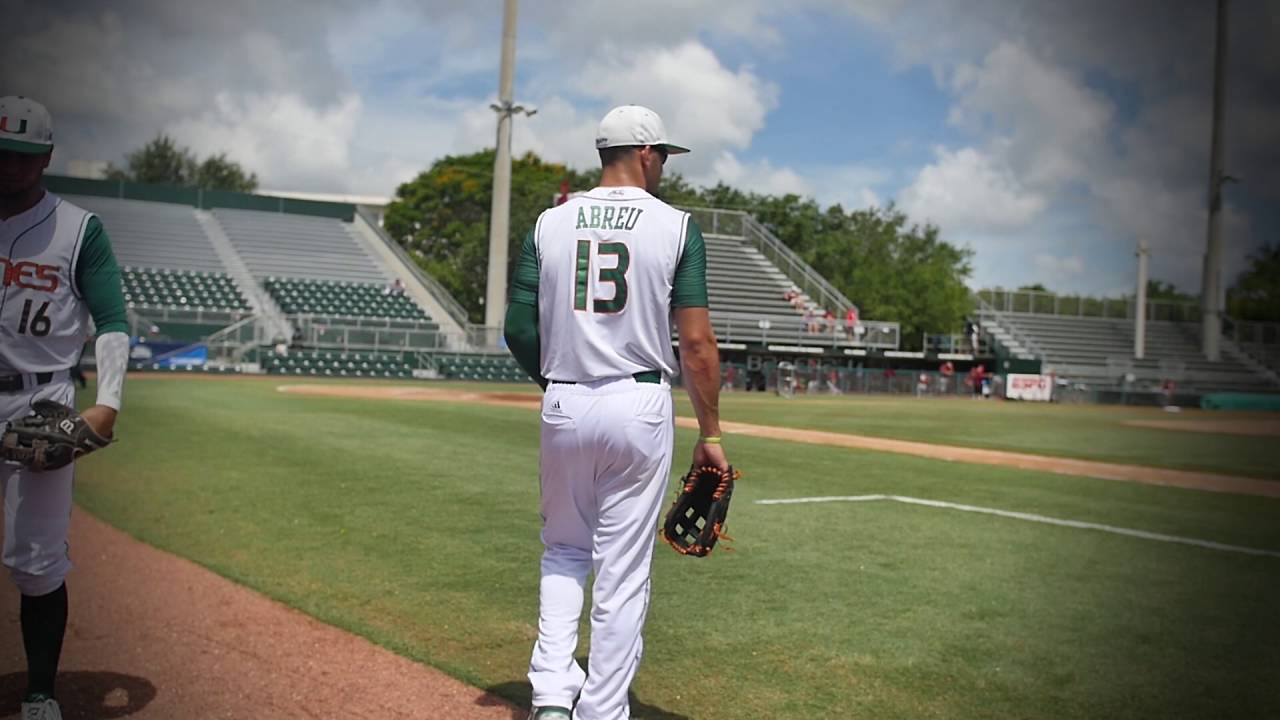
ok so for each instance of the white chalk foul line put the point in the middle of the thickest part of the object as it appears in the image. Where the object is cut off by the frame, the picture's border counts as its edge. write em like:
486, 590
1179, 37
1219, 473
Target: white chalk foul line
1160, 537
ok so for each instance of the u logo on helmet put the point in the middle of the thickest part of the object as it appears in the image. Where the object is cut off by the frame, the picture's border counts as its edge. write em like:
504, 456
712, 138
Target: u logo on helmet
4, 126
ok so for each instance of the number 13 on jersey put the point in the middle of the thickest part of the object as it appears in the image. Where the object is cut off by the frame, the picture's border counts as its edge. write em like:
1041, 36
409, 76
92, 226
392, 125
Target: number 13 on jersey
616, 276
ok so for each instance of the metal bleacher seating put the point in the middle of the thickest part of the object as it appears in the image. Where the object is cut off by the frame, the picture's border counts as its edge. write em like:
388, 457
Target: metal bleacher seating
154, 235
481, 367
1100, 351
298, 296
330, 363
181, 289
741, 281
744, 289
279, 244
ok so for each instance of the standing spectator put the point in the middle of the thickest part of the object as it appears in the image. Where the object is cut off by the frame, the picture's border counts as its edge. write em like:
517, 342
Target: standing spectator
922, 383
850, 320
945, 372
974, 380
830, 320
971, 332
1167, 389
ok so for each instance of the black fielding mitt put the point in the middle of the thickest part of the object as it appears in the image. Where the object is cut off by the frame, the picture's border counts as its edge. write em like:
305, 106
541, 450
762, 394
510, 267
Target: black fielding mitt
53, 436
696, 519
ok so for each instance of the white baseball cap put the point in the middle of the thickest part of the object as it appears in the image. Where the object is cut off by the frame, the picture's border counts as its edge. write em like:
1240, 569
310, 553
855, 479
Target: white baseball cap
628, 125
25, 126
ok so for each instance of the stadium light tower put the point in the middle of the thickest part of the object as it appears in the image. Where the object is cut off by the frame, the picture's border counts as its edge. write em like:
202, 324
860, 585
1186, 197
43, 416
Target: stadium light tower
495, 298
1211, 285
1140, 312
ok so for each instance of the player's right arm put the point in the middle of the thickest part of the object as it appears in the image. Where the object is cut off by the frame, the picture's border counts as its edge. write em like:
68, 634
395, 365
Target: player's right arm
699, 353
521, 322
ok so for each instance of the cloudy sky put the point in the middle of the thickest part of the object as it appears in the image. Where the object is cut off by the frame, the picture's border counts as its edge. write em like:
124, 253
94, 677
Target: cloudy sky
1049, 137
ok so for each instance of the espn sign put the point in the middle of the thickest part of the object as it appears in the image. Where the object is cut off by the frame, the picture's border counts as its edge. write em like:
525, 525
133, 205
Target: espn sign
1038, 388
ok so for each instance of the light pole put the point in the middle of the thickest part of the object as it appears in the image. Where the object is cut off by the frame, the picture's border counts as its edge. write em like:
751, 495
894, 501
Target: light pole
500, 211
1211, 285
1140, 312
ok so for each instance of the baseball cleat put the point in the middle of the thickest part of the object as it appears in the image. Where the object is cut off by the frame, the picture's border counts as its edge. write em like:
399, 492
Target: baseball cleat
43, 709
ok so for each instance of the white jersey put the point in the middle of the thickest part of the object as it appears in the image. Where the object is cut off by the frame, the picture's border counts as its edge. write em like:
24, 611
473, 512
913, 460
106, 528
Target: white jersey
43, 320
606, 267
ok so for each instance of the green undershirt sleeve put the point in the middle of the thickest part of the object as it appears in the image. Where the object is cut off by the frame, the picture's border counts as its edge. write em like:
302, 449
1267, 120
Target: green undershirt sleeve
690, 286
98, 280
521, 325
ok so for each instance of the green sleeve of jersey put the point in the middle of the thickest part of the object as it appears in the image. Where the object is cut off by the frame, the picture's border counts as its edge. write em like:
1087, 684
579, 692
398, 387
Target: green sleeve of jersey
98, 280
521, 325
524, 283
521, 333
690, 286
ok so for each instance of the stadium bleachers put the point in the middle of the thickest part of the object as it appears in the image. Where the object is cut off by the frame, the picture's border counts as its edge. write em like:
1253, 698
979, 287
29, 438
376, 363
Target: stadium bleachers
740, 280
493, 368
331, 363
1100, 351
297, 296
744, 288
146, 288
282, 245
154, 235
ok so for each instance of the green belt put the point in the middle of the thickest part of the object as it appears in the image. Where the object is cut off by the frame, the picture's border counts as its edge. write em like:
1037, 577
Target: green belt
653, 377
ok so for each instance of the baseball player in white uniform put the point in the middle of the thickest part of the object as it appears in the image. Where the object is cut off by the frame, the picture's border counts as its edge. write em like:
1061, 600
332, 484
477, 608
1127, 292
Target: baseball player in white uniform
597, 284
58, 274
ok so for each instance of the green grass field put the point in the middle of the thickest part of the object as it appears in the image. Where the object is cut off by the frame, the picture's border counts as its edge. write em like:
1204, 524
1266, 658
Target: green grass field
416, 525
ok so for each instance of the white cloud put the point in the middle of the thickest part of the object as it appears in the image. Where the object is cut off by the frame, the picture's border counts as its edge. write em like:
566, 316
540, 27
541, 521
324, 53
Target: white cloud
1051, 128
1053, 268
969, 191
280, 136
704, 105
760, 177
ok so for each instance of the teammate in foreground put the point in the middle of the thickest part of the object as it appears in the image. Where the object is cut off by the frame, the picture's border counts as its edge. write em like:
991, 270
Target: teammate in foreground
597, 283
58, 272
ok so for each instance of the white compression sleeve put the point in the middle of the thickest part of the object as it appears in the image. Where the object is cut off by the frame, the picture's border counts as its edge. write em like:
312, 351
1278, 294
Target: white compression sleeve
112, 352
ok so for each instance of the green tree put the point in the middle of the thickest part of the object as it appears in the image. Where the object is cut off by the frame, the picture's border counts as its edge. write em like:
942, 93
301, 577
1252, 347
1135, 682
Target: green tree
1255, 295
891, 269
217, 172
163, 162
442, 217
1160, 290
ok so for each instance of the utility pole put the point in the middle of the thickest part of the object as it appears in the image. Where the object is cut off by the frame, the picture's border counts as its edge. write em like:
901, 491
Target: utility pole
1211, 285
495, 299
1140, 313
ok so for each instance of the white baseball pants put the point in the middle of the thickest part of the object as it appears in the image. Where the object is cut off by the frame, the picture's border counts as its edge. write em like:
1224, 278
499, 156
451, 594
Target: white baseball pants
606, 451
37, 505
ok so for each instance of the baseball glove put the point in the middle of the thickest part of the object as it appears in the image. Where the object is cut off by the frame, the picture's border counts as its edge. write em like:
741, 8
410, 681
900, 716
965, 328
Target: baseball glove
53, 436
696, 519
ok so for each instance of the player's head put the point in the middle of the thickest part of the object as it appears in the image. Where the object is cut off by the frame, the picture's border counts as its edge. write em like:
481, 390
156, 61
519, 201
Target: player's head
26, 143
634, 136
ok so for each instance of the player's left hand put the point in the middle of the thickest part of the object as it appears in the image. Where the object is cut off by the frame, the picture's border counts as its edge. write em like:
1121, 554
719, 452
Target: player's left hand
53, 436
101, 418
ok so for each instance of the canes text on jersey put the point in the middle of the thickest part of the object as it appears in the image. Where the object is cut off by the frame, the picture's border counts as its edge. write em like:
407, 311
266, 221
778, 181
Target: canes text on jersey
29, 275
